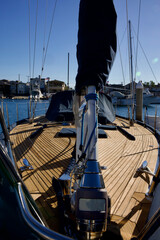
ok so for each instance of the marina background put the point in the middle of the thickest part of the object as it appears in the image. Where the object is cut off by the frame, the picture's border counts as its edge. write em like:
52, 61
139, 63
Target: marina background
15, 18
19, 109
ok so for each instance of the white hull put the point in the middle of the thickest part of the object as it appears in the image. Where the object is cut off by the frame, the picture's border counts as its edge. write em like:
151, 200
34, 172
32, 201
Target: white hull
122, 100
36, 94
128, 101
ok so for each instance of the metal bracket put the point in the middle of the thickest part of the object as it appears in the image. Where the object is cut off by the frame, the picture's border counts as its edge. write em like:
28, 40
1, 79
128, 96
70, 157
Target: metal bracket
27, 165
103, 167
144, 169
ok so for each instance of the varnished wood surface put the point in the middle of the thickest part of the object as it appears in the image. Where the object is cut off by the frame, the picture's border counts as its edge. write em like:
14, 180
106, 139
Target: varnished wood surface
50, 155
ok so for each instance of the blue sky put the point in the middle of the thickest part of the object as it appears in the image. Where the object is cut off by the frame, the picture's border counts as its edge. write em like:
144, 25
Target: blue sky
14, 40
149, 38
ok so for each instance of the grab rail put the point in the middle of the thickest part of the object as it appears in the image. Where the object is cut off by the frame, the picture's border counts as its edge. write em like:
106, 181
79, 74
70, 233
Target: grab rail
36, 226
7, 139
16, 112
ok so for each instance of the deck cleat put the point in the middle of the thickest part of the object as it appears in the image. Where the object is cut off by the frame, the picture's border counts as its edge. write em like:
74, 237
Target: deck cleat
27, 165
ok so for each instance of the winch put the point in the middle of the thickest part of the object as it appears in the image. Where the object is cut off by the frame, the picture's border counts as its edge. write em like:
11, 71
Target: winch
91, 202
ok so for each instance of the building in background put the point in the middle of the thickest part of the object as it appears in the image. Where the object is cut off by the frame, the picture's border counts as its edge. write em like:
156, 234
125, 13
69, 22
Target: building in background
53, 86
42, 86
22, 89
4, 88
13, 88
37, 87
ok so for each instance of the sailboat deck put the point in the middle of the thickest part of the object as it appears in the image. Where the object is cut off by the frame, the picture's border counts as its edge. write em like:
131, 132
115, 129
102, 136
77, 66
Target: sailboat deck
50, 154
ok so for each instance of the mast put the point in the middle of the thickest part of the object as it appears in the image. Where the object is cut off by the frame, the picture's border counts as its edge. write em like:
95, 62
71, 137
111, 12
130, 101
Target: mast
130, 58
131, 70
68, 72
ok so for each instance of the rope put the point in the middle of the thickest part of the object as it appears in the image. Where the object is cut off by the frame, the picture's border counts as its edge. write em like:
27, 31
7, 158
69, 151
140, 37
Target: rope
83, 155
82, 129
76, 168
53, 14
91, 96
90, 138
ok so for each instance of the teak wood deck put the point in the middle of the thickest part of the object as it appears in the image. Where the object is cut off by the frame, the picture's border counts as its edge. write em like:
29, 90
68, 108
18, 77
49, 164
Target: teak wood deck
49, 156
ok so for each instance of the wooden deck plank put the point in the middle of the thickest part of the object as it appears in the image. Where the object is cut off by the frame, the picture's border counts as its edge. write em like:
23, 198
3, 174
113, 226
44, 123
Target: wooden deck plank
41, 180
36, 191
50, 155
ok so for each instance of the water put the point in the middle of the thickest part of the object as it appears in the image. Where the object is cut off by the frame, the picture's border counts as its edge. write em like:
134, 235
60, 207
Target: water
149, 114
42, 106
19, 109
150, 110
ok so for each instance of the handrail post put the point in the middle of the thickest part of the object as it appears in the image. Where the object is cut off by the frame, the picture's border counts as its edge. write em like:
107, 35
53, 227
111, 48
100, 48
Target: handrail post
4, 127
28, 109
2, 108
7, 117
129, 117
145, 116
155, 120
17, 111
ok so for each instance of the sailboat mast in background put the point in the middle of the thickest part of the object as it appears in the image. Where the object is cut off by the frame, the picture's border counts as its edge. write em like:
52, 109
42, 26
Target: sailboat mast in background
68, 72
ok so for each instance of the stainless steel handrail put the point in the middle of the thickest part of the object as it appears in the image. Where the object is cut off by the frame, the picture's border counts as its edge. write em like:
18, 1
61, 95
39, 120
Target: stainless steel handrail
7, 139
36, 226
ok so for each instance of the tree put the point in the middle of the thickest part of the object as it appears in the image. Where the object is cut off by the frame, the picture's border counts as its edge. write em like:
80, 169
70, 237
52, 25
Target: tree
146, 84
152, 84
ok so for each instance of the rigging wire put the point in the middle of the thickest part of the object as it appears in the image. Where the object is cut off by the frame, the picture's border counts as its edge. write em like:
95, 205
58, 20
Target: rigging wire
123, 36
121, 61
29, 39
134, 49
130, 59
53, 14
45, 23
128, 40
119, 44
137, 38
35, 40
146, 58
